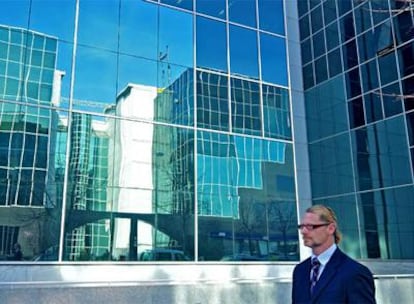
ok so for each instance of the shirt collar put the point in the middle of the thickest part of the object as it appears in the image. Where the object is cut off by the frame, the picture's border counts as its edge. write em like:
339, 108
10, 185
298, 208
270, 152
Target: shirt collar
326, 255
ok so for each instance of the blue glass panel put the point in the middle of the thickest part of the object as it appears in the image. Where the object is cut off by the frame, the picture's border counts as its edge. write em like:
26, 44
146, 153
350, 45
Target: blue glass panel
325, 108
373, 107
211, 44
215, 8
392, 102
245, 107
318, 44
329, 11
97, 19
276, 112
321, 69
212, 101
186, 4
304, 27
175, 41
388, 68
316, 19
331, 166
381, 153
243, 52
243, 12
273, 59
54, 18
230, 170
15, 13
334, 62
271, 17
138, 23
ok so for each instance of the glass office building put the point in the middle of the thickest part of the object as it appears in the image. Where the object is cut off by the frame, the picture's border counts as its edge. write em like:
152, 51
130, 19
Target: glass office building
181, 130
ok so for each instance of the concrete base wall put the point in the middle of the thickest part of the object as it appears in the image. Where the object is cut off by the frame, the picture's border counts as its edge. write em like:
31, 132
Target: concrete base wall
169, 284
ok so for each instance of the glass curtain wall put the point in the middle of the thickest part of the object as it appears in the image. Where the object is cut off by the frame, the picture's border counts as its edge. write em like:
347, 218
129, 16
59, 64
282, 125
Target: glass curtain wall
125, 125
358, 76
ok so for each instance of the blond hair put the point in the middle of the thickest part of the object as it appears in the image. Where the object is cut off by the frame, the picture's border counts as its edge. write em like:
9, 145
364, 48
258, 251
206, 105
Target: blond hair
326, 214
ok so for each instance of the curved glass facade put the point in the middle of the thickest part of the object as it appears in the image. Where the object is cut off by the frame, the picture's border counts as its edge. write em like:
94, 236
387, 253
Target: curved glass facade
146, 131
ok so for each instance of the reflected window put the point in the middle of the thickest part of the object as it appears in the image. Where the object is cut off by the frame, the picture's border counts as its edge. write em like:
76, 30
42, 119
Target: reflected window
273, 59
211, 48
271, 17
243, 12
215, 8
175, 102
212, 101
243, 52
245, 107
232, 173
276, 112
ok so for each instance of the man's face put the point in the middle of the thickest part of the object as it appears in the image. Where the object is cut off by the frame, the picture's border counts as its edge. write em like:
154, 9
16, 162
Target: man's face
320, 237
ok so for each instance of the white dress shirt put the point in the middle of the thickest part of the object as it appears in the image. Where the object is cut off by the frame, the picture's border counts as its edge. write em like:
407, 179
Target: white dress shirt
324, 258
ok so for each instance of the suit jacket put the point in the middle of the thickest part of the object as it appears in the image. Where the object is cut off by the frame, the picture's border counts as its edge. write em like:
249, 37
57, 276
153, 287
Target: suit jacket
343, 280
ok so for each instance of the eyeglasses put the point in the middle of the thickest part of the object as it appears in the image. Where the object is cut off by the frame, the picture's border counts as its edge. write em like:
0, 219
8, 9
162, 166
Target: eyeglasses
310, 227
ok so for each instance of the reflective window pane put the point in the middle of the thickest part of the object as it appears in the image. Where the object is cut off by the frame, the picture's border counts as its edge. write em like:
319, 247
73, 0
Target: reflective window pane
212, 101
146, 168
381, 160
271, 17
143, 16
273, 59
328, 159
97, 19
211, 44
243, 52
215, 8
243, 12
231, 171
175, 101
245, 107
276, 112
186, 4
175, 41
325, 108
95, 88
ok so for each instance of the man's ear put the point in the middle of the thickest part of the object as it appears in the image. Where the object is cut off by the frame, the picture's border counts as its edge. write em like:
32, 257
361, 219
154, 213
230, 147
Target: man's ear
332, 228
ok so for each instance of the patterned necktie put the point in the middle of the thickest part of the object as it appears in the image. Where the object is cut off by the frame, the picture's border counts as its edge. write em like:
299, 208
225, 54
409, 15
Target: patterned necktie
314, 272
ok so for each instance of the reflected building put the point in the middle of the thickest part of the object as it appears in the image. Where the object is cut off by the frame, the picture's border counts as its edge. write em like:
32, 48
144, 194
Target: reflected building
29, 85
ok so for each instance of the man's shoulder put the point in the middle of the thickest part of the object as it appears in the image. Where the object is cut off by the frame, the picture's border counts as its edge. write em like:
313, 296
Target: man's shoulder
350, 263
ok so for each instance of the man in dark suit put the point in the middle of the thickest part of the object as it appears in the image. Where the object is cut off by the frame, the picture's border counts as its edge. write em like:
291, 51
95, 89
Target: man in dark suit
329, 275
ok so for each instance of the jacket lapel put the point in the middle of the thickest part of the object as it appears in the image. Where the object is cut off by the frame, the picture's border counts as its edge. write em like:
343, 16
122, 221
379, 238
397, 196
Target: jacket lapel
328, 274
